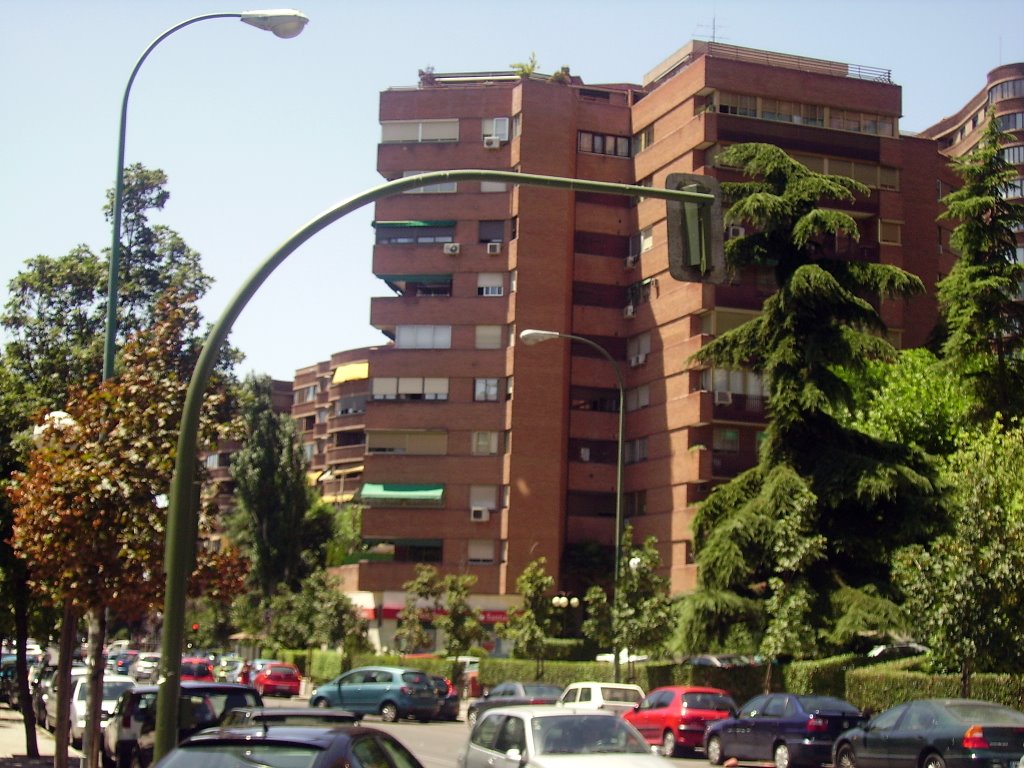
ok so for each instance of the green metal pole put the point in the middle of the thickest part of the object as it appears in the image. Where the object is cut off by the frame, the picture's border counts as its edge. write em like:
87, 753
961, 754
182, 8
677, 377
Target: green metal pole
179, 552
114, 268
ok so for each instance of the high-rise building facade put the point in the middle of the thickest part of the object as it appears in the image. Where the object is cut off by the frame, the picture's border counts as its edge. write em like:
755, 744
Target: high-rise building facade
482, 453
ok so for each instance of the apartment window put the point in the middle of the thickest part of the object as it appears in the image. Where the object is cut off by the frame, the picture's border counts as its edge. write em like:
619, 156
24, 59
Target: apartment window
512, 278
492, 231
643, 139
638, 345
412, 442
490, 284
493, 186
485, 443
1011, 89
888, 178
321, 416
634, 451
480, 551
488, 336
305, 394
735, 104
1014, 189
439, 187
350, 404
423, 337
726, 439
1013, 155
603, 144
308, 451
517, 124
495, 126
640, 291
890, 232
646, 239
414, 233
1013, 121
406, 131
483, 496
508, 387
634, 504
776, 109
409, 388
485, 390
638, 397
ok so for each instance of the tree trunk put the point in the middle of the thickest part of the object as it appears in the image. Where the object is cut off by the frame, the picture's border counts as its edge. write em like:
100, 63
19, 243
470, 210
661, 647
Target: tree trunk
62, 684
91, 737
20, 601
965, 679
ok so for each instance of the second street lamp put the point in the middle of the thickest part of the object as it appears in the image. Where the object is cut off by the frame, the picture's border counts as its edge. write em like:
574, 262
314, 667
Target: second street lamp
284, 23
532, 336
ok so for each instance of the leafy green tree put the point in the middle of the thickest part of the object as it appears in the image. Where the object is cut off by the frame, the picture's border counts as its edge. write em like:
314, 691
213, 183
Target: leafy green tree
979, 299
642, 619
318, 615
776, 542
529, 625
285, 533
965, 589
422, 596
461, 623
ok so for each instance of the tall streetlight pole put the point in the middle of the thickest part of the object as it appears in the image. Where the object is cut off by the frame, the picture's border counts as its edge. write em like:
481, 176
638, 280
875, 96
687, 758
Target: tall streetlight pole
532, 336
283, 23
179, 547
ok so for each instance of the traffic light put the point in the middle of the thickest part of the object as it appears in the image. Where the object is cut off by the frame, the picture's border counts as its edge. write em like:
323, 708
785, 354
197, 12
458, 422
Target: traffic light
695, 242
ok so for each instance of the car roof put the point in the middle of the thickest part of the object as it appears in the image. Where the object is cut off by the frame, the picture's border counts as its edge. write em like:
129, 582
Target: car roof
321, 736
189, 685
628, 686
691, 689
547, 710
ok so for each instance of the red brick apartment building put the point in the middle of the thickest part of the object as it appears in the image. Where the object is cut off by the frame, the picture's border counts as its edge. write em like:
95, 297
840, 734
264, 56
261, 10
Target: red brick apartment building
480, 453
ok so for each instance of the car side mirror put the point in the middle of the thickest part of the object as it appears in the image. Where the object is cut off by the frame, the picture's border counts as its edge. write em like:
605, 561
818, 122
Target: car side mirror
514, 756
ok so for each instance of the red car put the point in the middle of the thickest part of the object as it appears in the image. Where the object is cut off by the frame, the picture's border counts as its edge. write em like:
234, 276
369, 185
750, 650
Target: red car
278, 679
197, 669
673, 717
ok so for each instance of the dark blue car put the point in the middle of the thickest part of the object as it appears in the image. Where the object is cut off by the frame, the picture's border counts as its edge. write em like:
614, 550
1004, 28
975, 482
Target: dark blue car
784, 728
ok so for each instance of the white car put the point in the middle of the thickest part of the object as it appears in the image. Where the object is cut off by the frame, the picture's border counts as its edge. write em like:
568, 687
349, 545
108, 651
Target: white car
113, 687
616, 697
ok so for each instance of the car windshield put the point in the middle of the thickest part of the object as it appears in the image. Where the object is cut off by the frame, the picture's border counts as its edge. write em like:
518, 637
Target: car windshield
825, 703
549, 691
578, 734
111, 690
242, 756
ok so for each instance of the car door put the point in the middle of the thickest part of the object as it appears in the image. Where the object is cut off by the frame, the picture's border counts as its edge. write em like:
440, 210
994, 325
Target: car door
907, 738
480, 750
352, 693
872, 751
651, 714
736, 733
760, 739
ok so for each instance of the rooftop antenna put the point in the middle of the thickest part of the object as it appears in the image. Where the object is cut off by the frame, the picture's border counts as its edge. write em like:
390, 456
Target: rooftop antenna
714, 29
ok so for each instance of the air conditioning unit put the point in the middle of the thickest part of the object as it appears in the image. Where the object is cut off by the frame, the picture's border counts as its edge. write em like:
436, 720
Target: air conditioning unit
492, 142
493, 249
629, 311
723, 398
632, 260
637, 360
452, 249
479, 514
735, 231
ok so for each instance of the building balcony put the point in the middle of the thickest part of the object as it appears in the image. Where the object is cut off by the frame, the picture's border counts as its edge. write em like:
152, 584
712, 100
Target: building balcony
389, 576
346, 421
341, 454
734, 407
730, 464
389, 312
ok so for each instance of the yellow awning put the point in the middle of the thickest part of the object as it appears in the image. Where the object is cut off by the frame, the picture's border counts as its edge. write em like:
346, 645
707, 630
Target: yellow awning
351, 372
312, 477
349, 470
339, 498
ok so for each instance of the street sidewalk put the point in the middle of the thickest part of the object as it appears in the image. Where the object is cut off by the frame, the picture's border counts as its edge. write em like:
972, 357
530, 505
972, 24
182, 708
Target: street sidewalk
12, 743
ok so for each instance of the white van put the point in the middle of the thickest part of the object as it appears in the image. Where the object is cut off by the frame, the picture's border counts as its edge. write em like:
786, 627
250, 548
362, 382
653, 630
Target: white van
617, 697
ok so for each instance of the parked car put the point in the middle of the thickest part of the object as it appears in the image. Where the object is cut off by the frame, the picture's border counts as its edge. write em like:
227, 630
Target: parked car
121, 664
113, 687
512, 693
197, 668
394, 693
548, 735
8, 679
257, 664
128, 738
935, 733
616, 697
284, 745
146, 667
673, 717
448, 698
278, 679
228, 668
246, 716
785, 728
49, 697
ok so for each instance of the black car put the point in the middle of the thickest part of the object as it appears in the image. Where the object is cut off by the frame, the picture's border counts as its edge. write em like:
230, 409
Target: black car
784, 728
130, 733
354, 746
935, 733
247, 716
512, 693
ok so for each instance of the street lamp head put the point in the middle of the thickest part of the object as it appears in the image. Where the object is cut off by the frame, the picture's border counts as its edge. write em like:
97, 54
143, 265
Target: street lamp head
283, 22
532, 336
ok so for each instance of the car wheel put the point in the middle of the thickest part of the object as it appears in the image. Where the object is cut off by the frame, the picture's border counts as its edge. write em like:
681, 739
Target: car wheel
714, 750
322, 703
934, 760
781, 756
668, 744
845, 758
388, 712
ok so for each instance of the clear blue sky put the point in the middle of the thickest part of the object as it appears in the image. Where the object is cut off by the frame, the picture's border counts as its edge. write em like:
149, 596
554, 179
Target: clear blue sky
260, 135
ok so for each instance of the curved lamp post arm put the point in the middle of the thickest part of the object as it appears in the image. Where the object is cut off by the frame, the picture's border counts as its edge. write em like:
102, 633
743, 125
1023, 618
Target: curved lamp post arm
284, 23
179, 553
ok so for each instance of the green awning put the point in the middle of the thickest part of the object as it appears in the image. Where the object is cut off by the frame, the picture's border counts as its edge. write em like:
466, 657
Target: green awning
414, 223
425, 494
